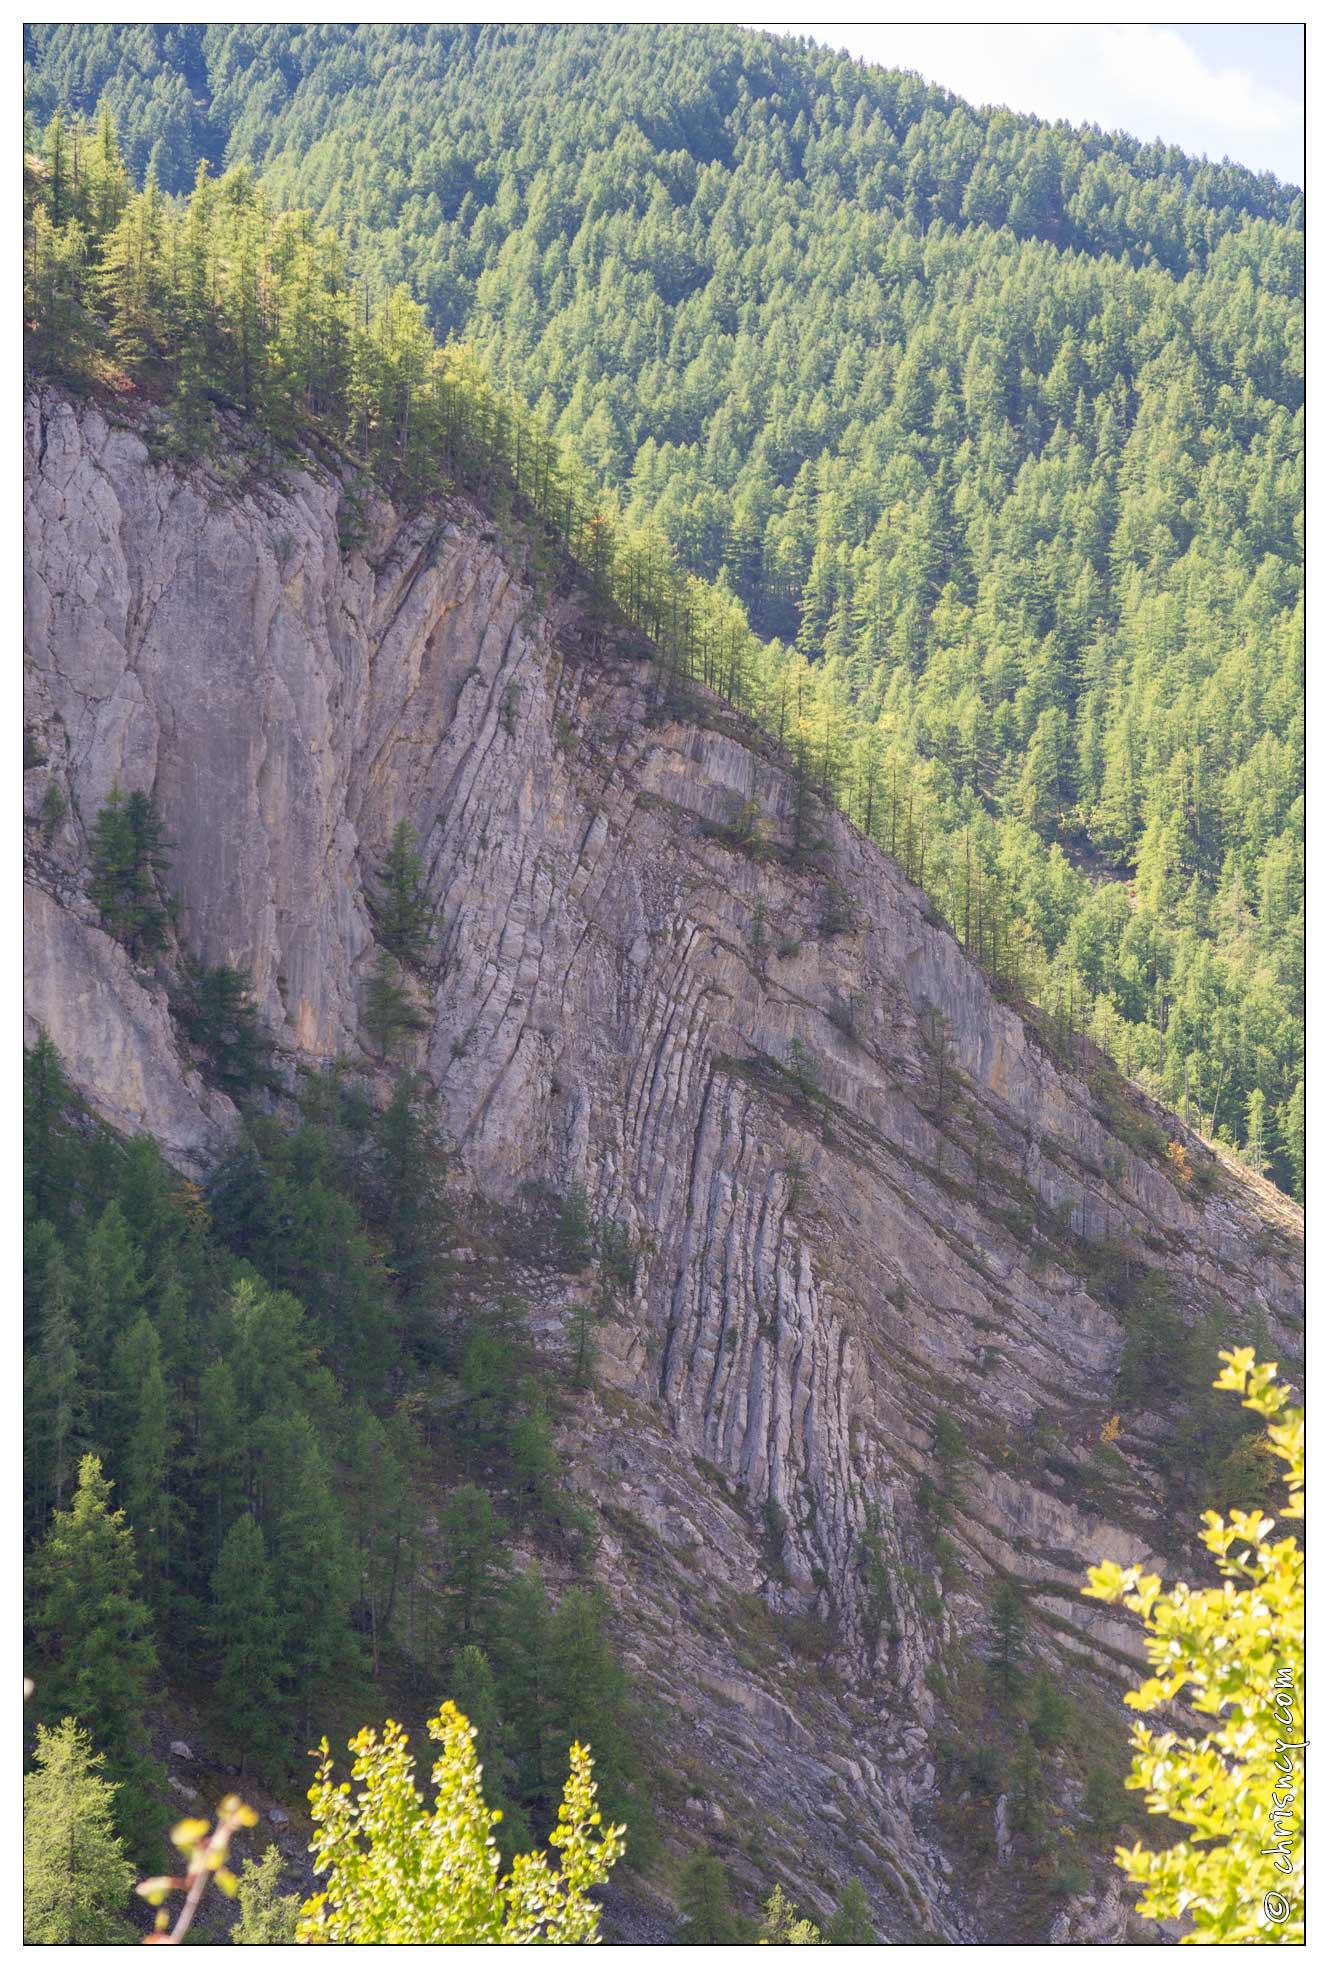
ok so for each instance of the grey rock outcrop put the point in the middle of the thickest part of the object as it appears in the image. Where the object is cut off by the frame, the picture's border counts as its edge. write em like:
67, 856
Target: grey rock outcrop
833, 1258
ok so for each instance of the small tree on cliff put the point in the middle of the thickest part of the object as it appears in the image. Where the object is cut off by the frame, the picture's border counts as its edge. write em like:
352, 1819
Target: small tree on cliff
390, 1010
401, 907
1006, 1648
703, 1896
129, 862
851, 1924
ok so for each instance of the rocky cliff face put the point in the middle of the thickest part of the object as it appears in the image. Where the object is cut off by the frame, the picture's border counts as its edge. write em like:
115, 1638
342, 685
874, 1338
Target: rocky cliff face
919, 1225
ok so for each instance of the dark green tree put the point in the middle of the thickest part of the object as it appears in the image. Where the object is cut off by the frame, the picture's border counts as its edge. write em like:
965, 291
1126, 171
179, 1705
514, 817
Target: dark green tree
1007, 1643
130, 857
851, 1924
390, 1011
218, 1014
246, 1638
473, 1565
703, 1899
94, 1638
401, 905
140, 1434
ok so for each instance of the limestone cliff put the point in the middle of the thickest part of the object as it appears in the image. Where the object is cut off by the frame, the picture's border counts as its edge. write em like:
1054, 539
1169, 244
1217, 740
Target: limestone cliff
293, 668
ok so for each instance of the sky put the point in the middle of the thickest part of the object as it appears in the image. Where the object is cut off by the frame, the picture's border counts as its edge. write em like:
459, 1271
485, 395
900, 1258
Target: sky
1211, 90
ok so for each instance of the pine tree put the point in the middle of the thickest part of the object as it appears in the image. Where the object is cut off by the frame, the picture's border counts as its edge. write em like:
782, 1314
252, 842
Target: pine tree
266, 1914
1028, 1794
55, 1406
522, 1653
1051, 1715
110, 1296
218, 1014
575, 1231
76, 1877
1104, 1802
703, 1897
401, 908
140, 1432
129, 861
851, 1924
473, 1568
94, 1635
246, 1640
474, 1690
390, 1011
588, 1702
47, 1096
312, 1567
406, 1176
379, 1506
1006, 1643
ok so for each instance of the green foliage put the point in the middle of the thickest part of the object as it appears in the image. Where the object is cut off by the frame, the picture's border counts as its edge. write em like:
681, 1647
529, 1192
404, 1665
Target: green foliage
268, 1459
218, 1015
53, 810
473, 1563
1027, 1794
48, 1099
390, 1010
1103, 1804
949, 1442
1156, 1342
575, 1230
1234, 1655
878, 1604
588, 1701
76, 1877
703, 1899
266, 1914
1007, 1646
583, 1319
129, 858
782, 1925
774, 1530
397, 1872
247, 1640
1051, 1714
851, 1924
401, 907
141, 1439
475, 1692
803, 1072
55, 1412
94, 1640
993, 558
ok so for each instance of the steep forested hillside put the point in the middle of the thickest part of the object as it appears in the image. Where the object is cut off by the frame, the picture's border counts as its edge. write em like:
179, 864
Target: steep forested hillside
997, 423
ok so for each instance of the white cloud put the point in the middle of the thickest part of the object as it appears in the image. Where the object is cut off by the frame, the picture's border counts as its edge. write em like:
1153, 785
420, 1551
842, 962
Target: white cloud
1146, 80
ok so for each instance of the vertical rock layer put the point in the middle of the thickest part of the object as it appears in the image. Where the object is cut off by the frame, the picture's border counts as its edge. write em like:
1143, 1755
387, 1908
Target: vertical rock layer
915, 1222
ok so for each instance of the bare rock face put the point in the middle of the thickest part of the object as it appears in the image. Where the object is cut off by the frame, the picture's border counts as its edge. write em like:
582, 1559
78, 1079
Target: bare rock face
907, 1225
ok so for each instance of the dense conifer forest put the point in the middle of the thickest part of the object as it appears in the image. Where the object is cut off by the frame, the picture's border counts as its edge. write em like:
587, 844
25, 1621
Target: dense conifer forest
219, 1487
982, 436
961, 452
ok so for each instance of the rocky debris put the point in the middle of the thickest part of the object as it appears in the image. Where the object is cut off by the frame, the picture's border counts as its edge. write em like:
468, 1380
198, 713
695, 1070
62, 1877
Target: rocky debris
831, 1262
182, 1751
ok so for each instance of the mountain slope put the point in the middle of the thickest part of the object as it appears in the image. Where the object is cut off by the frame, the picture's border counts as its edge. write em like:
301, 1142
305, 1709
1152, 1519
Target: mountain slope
1000, 422
872, 1200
